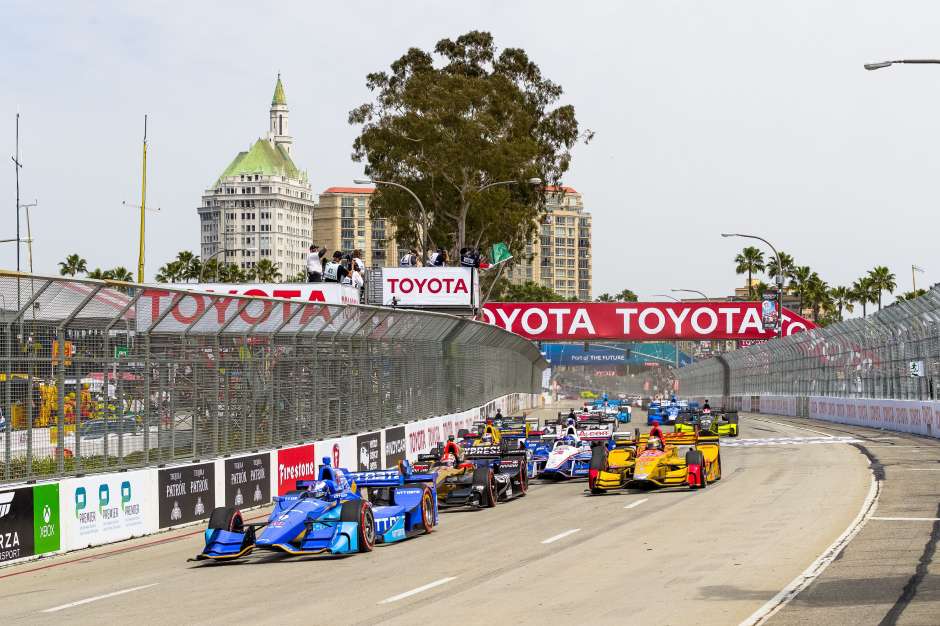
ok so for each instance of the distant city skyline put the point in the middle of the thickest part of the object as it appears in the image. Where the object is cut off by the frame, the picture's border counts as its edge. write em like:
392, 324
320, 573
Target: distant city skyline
725, 116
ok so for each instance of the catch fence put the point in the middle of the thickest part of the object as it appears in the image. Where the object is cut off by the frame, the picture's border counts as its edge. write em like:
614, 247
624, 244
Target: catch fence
893, 353
99, 376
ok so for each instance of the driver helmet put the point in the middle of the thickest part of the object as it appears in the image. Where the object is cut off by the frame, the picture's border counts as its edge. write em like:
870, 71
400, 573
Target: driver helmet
486, 438
319, 489
655, 422
654, 443
570, 422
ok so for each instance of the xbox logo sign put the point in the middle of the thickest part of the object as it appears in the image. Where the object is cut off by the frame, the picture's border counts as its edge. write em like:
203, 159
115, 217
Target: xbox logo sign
46, 513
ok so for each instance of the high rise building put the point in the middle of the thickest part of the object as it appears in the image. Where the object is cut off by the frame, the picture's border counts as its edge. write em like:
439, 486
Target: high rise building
559, 256
261, 206
342, 222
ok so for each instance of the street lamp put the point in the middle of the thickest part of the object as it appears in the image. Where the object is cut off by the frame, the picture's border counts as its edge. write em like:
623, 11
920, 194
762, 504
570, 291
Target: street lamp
205, 263
531, 181
424, 214
880, 64
707, 299
666, 295
778, 278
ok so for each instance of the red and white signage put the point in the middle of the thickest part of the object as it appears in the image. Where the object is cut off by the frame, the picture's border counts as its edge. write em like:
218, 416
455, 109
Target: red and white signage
430, 287
330, 293
295, 464
637, 321
207, 312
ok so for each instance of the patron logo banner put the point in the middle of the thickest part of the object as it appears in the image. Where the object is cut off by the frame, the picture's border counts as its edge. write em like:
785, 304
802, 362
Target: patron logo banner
186, 493
248, 480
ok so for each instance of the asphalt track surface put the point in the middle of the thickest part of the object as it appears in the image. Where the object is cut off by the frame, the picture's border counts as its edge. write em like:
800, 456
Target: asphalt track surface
558, 556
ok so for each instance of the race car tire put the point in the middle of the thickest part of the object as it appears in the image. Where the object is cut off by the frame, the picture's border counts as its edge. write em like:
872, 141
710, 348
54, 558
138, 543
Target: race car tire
361, 512
484, 476
598, 458
523, 479
427, 511
718, 468
227, 518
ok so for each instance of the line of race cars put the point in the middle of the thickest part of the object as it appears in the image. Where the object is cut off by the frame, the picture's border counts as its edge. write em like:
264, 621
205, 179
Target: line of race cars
345, 512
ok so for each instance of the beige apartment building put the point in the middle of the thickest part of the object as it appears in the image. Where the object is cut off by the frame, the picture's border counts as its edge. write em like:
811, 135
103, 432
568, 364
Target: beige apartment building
341, 221
559, 256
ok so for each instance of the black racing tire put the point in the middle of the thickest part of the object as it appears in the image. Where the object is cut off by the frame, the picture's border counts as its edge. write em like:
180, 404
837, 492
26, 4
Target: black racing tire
599, 458
427, 511
523, 478
484, 476
366, 527
227, 518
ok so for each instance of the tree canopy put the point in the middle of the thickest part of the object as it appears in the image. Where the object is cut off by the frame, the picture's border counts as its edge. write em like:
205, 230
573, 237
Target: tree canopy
450, 123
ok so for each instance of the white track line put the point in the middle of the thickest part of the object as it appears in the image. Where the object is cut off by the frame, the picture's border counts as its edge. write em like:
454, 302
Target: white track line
402, 596
818, 432
817, 567
637, 503
561, 535
907, 519
921, 469
96, 598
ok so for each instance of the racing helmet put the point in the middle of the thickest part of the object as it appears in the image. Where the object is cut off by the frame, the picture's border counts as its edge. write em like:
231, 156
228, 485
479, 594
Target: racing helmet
654, 443
486, 437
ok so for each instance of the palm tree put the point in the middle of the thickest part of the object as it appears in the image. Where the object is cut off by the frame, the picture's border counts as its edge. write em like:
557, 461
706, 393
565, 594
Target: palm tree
72, 265
626, 296
750, 261
817, 295
864, 293
299, 277
910, 295
882, 280
799, 280
194, 269
787, 263
170, 273
604, 297
842, 298
120, 273
267, 272
98, 274
231, 273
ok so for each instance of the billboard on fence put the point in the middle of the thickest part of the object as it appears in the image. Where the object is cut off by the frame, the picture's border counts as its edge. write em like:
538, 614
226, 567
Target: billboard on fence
369, 452
293, 464
423, 436
341, 450
29, 522
248, 480
637, 321
430, 287
186, 493
396, 446
108, 507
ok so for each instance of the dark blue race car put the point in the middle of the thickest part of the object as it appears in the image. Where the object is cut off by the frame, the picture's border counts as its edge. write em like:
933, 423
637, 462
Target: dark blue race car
331, 515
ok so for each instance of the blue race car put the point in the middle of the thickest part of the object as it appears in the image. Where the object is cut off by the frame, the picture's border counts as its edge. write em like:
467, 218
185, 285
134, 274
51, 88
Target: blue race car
331, 515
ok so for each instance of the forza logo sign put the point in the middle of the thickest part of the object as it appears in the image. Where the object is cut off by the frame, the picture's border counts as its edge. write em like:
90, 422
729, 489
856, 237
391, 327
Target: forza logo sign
6, 503
638, 321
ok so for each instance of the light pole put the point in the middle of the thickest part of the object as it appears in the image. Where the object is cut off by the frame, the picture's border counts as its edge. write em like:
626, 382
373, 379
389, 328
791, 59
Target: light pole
881, 64
205, 263
778, 278
707, 299
424, 213
675, 344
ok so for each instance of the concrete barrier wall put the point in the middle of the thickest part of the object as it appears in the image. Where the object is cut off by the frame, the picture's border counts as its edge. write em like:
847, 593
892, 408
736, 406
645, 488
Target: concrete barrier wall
76, 513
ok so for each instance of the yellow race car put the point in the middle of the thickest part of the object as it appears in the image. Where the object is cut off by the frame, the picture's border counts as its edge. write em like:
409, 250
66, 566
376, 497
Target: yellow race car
720, 423
692, 459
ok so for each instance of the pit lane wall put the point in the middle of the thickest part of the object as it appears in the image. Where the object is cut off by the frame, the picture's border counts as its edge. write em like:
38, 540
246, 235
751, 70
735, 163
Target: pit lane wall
75, 513
918, 417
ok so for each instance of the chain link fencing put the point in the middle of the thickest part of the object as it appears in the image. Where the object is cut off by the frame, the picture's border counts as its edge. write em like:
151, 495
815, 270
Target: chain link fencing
892, 354
102, 376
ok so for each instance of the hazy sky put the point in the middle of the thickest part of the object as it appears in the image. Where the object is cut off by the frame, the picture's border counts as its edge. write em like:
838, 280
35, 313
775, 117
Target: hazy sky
710, 116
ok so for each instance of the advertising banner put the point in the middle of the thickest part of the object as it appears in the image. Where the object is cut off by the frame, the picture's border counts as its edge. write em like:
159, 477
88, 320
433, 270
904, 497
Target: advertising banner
395, 446
108, 507
341, 450
423, 436
920, 417
248, 480
213, 312
768, 311
369, 455
16, 524
637, 321
430, 287
293, 464
47, 527
186, 493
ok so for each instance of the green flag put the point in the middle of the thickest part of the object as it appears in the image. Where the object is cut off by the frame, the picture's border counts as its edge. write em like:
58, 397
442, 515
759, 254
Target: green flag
499, 253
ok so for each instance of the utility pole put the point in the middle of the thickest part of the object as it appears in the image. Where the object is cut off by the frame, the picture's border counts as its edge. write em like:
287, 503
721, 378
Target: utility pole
29, 234
143, 205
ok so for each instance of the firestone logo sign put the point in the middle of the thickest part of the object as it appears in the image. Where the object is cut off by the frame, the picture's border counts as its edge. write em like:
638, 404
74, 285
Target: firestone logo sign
638, 322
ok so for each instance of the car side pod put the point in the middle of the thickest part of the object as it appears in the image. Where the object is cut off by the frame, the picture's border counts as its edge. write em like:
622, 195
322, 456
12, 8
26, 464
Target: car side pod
695, 469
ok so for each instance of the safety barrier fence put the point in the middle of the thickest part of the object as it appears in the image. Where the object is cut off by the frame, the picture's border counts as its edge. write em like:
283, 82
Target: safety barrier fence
102, 376
892, 354
75, 513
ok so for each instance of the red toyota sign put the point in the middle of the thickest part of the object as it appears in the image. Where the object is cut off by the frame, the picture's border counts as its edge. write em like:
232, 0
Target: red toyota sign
637, 321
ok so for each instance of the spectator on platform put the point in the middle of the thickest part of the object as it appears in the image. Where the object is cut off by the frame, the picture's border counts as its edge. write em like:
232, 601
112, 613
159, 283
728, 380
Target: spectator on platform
314, 267
335, 271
